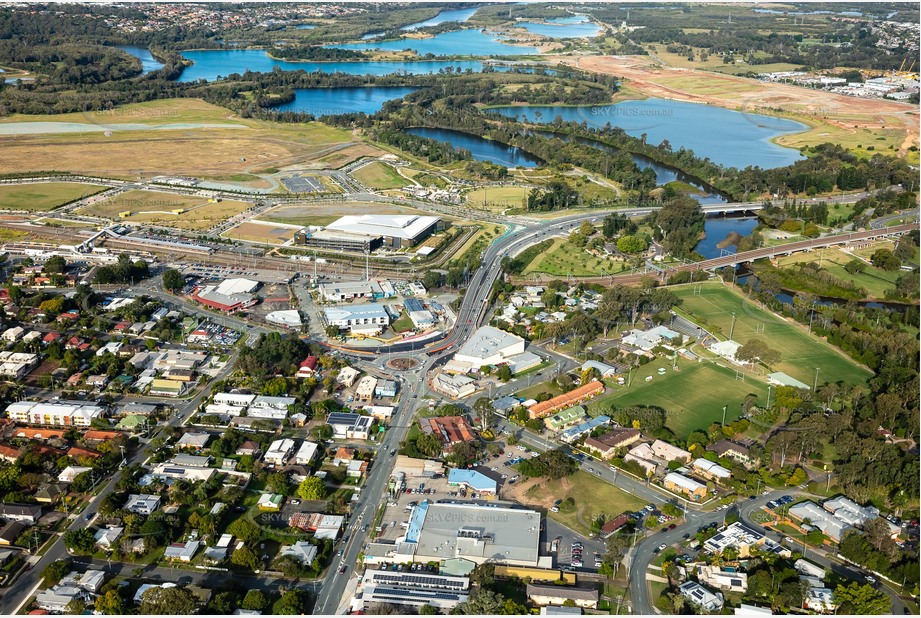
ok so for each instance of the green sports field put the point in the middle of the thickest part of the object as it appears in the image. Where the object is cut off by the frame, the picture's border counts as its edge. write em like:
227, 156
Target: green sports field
378, 175
800, 352
693, 396
44, 196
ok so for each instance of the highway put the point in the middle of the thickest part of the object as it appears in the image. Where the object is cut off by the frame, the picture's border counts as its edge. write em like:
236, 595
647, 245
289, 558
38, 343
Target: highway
26, 585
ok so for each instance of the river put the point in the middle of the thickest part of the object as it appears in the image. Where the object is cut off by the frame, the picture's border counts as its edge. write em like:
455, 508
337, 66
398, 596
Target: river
149, 64
481, 149
334, 101
574, 27
730, 138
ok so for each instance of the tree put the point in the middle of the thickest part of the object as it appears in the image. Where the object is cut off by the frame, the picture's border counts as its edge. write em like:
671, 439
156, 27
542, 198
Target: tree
278, 483
885, 260
861, 600
173, 281
79, 541
504, 373
428, 610
855, 266
224, 603
291, 603
485, 411
55, 572
244, 530
111, 604
757, 350
631, 244
255, 600
483, 602
246, 558
168, 601
312, 488
322, 432
432, 279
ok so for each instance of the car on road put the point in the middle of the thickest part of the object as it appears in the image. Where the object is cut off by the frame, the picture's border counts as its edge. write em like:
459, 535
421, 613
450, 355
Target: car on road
662, 546
88, 516
295, 502
341, 569
672, 527
870, 579
393, 452
686, 535
753, 497
554, 509
339, 553
364, 528
612, 468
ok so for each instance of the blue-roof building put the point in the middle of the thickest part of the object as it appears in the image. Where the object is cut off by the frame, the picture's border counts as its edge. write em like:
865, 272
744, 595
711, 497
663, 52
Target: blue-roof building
570, 435
474, 480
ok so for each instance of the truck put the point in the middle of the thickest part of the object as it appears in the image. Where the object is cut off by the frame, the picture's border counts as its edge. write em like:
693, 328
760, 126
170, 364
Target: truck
805, 567
555, 545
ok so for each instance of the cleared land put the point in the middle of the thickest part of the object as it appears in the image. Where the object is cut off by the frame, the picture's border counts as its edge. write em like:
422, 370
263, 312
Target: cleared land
850, 121
498, 198
592, 498
45, 196
693, 396
563, 260
379, 175
266, 234
155, 207
187, 151
800, 352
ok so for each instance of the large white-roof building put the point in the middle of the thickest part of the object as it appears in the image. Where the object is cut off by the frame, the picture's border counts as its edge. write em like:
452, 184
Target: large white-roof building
479, 533
365, 319
489, 346
396, 230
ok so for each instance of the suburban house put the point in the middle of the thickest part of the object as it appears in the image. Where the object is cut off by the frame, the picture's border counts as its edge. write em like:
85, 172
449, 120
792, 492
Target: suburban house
681, 484
142, 504
737, 452
701, 596
544, 594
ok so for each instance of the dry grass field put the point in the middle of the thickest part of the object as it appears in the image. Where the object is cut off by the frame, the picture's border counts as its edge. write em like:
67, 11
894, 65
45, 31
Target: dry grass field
262, 233
239, 147
44, 196
156, 207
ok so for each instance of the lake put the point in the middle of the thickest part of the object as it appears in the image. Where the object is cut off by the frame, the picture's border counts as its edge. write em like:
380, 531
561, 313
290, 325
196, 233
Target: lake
717, 228
212, 63
481, 149
575, 27
460, 15
454, 43
306, 27
730, 138
334, 101
149, 64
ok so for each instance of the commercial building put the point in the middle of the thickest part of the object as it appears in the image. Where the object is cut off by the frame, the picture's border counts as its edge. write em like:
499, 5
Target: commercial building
489, 346
230, 295
684, 485
349, 290
576, 396
701, 596
479, 533
167, 388
648, 339
288, 318
412, 589
395, 230
413, 467
347, 376
544, 594
338, 241
320, 525
350, 426
606, 445
59, 413
471, 479
450, 429
726, 349
418, 314
455, 387
359, 319
365, 389
385, 388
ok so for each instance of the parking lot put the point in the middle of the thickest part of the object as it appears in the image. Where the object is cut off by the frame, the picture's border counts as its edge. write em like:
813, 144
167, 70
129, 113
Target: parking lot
398, 508
302, 184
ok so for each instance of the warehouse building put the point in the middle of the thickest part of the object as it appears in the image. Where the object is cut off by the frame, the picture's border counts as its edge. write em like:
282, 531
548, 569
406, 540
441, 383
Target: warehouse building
420, 316
396, 231
350, 290
358, 319
479, 533
412, 589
